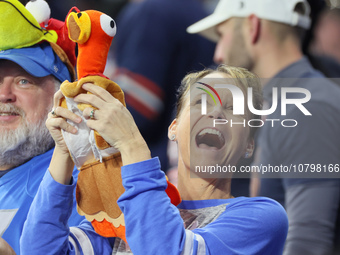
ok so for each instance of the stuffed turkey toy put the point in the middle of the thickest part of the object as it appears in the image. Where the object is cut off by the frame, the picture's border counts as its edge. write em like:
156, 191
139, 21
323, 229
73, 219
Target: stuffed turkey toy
99, 182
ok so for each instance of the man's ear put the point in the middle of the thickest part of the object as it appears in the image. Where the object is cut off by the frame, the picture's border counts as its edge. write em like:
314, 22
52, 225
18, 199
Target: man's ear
172, 130
250, 148
254, 28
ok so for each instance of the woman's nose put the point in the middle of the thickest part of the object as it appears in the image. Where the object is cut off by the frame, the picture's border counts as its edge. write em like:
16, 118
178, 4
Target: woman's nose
216, 113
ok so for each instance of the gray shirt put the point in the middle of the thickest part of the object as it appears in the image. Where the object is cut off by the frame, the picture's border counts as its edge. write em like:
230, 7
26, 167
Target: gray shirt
311, 203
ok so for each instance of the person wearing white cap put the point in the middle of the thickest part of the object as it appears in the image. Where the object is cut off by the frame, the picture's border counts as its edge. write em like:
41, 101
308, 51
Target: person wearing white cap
265, 37
226, 26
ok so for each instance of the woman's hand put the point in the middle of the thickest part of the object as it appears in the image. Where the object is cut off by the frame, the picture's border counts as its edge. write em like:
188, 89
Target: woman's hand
61, 165
58, 121
114, 123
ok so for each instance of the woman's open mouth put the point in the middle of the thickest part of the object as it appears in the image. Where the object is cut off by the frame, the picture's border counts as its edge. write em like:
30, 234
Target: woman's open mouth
210, 138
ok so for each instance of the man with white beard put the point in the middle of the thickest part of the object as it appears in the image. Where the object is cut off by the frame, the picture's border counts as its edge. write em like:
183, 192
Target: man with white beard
29, 77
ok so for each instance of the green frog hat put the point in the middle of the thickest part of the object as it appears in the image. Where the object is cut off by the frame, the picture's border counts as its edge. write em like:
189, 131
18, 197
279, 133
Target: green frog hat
20, 26
40, 44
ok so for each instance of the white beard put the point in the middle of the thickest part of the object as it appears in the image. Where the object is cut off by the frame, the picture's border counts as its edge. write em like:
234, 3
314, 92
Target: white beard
25, 142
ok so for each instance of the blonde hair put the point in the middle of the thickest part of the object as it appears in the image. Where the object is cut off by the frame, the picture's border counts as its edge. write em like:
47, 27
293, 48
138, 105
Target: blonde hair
244, 79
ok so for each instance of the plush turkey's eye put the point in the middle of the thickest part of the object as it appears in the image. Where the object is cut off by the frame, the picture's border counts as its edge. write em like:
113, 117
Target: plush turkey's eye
108, 25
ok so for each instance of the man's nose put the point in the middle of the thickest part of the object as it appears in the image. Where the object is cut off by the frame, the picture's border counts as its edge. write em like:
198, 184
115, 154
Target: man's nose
6, 92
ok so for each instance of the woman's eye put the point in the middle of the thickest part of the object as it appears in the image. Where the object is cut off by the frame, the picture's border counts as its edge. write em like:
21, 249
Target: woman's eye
199, 101
230, 107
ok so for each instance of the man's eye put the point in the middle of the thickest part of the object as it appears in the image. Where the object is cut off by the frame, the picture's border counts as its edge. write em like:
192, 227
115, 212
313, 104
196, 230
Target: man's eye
24, 82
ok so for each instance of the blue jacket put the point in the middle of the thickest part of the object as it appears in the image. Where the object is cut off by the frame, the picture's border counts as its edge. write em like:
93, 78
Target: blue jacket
17, 190
153, 225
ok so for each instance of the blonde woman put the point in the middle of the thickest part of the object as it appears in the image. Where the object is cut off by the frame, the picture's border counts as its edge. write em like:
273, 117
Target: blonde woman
214, 221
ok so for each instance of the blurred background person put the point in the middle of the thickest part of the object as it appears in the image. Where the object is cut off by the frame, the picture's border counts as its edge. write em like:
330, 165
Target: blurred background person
266, 37
325, 63
327, 34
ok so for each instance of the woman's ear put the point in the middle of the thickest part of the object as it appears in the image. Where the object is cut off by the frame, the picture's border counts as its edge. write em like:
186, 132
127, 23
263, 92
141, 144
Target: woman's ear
250, 148
172, 130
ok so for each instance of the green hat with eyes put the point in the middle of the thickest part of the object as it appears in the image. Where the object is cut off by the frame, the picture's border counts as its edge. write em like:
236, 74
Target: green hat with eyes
40, 51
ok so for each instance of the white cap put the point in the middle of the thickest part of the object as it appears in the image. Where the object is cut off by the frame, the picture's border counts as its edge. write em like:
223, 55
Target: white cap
282, 11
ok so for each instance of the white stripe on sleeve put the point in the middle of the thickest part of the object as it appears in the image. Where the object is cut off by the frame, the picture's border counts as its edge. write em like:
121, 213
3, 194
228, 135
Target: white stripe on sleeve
75, 246
190, 240
83, 241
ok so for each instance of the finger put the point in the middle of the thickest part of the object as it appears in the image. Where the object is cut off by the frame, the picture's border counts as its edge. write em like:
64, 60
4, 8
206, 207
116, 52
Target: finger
96, 102
90, 99
56, 99
99, 91
92, 124
60, 123
53, 113
50, 115
66, 114
90, 113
